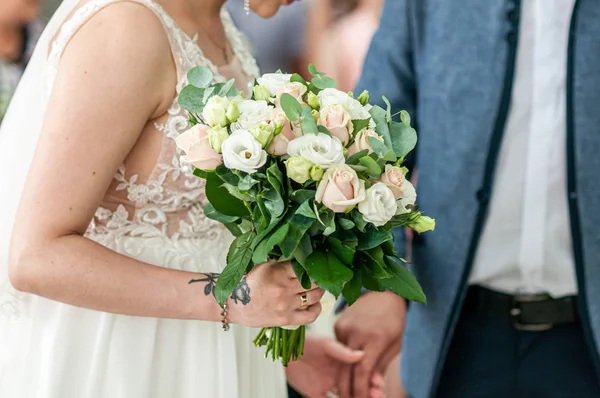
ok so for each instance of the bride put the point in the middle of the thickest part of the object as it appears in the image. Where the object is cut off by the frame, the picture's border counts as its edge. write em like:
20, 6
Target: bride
103, 236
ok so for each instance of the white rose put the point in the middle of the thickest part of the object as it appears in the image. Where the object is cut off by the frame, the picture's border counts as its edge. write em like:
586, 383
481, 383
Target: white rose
274, 81
215, 111
332, 96
242, 152
409, 198
252, 113
320, 149
379, 206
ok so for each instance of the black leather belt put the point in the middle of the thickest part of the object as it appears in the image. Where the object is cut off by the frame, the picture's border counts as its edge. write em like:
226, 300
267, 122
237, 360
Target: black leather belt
530, 313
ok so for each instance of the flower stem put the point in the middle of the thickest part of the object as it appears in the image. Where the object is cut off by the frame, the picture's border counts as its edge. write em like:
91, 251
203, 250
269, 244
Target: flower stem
281, 344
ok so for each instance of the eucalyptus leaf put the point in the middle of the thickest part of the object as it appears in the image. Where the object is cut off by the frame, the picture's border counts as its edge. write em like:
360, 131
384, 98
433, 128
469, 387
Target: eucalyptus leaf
373, 168
328, 272
238, 259
360, 124
323, 82
324, 130
388, 111
356, 157
191, 99
313, 70
405, 118
224, 90
378, 147
309, 126
200, 76
296, 78
381, 123
291, 107
208, 93
404, 138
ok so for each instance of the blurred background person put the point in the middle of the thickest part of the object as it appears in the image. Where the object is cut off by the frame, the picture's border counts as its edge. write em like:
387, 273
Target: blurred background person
19, 31
338, 37
278, 43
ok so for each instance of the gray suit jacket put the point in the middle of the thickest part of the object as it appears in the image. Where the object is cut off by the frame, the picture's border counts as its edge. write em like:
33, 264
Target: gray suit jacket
450, 63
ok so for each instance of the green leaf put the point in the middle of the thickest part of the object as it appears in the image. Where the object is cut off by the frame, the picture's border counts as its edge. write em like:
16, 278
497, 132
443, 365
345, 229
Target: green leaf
273, 202
328, 272
359, 221
346, 224
356, 157
263, 249
377, 267
373, 168
238, 259
291, 107
200, 173
226, 87
390, 156
323, 82
227, 175
359, 169
388, 111
275, 178
208, 92
402, 282
372, 238
353, 289
382, 128
200, 77
210, 212
238, 194
405, 118
302, 195
247, 183
304, 249
296, 78
191, 99
306, 210
222, 200
309, 126
343, 252
360, 124
324, 130
301, 274
313, 70
404, 138
298, 227
378, 147
330, 226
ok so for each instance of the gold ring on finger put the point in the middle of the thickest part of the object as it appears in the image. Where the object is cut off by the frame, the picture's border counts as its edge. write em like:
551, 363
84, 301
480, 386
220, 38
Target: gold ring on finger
303, 301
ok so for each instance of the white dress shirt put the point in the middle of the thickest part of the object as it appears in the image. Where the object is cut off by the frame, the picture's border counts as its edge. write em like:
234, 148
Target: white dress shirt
526, 244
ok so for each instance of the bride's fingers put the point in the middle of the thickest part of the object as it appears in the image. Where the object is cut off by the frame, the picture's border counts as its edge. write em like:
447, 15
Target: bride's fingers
376, 393
308, 316
306, 299
377, 380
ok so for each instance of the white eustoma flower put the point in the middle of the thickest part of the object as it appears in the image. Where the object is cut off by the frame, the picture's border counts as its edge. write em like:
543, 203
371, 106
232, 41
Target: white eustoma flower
215, 111
409, 198
252, 113
274, 81
320, 149
242, 152
332, 96
379, 205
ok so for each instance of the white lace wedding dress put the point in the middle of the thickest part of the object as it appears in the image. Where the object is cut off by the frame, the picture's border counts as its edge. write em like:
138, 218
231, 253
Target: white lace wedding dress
154, 214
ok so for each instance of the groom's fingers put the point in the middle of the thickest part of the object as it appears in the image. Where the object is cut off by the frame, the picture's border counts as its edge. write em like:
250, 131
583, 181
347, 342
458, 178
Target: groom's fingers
308, 316
363, 371
345, 382
343, 353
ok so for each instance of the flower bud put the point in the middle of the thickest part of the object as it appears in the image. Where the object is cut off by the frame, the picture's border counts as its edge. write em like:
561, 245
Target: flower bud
423, 224
262, 133
316, 115
313, 100
216, 136
316, 173
233, 112
298, 169
364, 98
261, 93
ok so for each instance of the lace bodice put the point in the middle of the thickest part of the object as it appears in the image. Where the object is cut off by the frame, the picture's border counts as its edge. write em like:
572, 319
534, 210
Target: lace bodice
164, 199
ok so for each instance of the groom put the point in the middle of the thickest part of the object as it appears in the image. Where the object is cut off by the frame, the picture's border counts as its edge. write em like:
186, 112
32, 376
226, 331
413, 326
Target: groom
505, 95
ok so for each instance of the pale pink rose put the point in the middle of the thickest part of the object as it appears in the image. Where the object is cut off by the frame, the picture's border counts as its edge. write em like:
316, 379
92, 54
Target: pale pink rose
198, 152
361, 142
337, 121
295, 89
394, 178
279, 144
340, 189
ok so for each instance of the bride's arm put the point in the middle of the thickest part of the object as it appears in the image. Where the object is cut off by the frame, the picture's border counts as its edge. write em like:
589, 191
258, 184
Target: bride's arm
115, 75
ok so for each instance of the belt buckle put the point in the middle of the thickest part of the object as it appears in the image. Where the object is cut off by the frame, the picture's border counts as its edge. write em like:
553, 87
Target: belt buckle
516, 310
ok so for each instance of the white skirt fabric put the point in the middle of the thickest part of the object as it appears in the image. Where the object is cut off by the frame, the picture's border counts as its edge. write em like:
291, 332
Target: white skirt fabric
53, 350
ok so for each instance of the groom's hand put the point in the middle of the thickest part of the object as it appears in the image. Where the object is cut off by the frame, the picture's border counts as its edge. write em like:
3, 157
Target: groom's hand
374, 324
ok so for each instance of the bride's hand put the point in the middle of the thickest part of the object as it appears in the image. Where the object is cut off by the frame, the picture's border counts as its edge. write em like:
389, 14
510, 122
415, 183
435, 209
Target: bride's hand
317, 372
274, 297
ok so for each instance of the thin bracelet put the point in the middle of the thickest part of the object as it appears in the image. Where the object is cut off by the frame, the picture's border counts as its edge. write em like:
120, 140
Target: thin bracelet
224, 320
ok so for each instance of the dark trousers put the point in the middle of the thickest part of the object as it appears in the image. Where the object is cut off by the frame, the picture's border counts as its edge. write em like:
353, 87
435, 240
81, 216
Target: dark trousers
292, 393
488, 358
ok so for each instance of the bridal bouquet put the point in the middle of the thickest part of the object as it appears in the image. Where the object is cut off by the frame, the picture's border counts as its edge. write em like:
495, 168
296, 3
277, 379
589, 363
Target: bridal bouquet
307, 173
